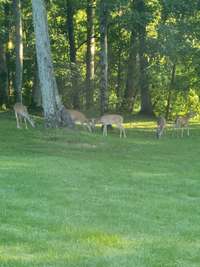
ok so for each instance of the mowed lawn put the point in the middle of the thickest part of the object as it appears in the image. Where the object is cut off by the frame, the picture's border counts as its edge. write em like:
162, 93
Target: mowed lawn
71, 198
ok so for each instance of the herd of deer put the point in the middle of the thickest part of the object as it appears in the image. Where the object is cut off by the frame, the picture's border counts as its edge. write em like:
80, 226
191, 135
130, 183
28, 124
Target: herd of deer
181, 122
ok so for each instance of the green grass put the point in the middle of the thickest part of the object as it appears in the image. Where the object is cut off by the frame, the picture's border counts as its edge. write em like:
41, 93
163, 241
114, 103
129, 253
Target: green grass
71, 198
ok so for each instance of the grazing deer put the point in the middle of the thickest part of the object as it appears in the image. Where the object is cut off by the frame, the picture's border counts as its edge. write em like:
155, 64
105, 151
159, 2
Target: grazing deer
110, 119
161, 124
182, 122
79, 117
21, 112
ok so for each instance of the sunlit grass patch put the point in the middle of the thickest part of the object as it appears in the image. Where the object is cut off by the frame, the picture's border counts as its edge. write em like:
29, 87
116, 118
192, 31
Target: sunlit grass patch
141, 125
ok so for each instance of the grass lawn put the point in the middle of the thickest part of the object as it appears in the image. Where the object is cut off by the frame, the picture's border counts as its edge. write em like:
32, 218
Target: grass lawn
71, 198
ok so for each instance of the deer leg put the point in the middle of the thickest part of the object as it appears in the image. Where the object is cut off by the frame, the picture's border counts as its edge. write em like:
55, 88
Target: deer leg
124, 132
159, 133
120, 132
20, 119
182, 132
162, 131
188, 131
84, 126
25, 123
88, 127
120, 129
17, 119
104, 130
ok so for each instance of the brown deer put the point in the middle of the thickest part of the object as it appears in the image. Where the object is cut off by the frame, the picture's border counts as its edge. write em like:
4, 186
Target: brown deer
79, 117
161, 124
110, 119
182, 122
21, 113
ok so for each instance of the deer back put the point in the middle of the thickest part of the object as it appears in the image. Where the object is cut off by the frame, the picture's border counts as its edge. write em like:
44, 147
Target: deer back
111, 119
77, 116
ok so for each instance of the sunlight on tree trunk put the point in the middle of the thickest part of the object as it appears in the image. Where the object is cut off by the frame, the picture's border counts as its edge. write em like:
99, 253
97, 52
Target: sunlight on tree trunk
90, 53
18, 50
103, 57
3, 75
146, 105
73, 63
53, 108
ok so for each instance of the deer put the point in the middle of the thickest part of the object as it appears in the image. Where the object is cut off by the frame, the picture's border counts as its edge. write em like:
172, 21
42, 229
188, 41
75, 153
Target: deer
21, 112
79, 117
110, 119
182, 122
161, 124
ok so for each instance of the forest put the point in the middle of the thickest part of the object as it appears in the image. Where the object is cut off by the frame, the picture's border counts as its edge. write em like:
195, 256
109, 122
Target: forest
121, 56
75, 191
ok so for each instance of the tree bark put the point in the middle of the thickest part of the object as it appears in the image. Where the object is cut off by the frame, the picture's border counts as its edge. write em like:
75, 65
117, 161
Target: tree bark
54, 112
146, 105
90, 53
36, 93
18, 50
7, 38
3, 75
74, 71
171, 86
103, 57
131, 89
119, 79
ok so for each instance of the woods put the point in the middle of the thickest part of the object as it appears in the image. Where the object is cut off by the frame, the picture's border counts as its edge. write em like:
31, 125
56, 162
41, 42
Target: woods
124, 56
100, 130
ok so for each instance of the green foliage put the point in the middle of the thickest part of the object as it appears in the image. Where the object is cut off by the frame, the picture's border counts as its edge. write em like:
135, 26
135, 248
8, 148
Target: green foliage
172, 38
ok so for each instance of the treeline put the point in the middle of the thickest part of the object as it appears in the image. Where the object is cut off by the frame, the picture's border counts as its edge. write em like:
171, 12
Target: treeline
118, 55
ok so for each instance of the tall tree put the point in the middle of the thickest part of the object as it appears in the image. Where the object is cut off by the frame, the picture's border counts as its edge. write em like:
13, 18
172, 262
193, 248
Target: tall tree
18, 50
3, 75
7, 37
73, 63
54, 112
146, 105
171, 87
90, 52
103, 56
3, 62
131, 89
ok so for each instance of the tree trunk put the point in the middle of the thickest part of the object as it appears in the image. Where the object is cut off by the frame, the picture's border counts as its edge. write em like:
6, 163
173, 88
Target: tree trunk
3, 75
132, 75
119, 79
171, 86
7, 25
18, 50
36, 93
103, 56
90, 53
146, 105
74, 71
54, 111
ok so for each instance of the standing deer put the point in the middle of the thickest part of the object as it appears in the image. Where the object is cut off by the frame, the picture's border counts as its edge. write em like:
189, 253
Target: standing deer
182, 122
110, 119
161, 124
21, 112
79, 117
